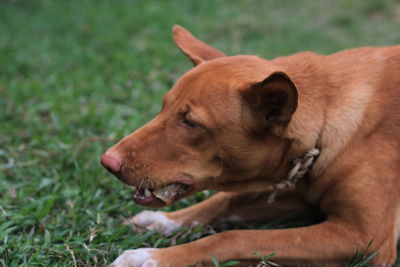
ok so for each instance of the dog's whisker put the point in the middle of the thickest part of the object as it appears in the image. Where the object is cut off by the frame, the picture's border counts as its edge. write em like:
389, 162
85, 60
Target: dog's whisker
141, 182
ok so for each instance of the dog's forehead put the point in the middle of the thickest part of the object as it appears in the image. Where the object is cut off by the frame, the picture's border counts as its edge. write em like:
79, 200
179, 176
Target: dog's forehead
212, 89
221, 77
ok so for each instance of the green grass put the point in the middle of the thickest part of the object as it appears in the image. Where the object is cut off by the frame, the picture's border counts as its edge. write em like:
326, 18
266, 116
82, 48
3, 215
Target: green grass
75, 76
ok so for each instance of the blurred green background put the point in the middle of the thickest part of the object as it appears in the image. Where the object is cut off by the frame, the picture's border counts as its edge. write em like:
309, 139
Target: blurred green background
75, 76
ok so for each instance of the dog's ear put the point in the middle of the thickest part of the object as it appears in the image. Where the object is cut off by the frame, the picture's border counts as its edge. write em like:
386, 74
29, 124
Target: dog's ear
273, 100
194, 49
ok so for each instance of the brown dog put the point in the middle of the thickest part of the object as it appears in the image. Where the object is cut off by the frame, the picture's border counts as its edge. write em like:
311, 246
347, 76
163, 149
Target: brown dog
236, 124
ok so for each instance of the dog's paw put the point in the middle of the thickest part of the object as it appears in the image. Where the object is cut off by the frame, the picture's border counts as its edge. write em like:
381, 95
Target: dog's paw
155, 220
136, 258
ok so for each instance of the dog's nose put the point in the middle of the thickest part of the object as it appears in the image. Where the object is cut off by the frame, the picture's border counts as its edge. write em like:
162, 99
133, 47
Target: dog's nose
111, 162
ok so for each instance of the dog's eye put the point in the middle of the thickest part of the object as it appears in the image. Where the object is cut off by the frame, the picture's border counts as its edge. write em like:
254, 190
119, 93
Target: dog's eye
188, 122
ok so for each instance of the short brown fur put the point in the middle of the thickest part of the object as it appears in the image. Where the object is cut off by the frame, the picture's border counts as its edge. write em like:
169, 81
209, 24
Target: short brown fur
347, 105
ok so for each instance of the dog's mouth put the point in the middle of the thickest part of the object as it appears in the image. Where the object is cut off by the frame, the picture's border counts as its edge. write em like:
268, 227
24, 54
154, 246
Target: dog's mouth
161, 196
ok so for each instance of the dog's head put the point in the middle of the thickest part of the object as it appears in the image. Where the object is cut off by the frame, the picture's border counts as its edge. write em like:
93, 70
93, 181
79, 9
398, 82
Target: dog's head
221, 126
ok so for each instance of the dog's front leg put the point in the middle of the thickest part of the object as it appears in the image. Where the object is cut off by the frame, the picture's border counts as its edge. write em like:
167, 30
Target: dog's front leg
230, 206
199, 214
314, 244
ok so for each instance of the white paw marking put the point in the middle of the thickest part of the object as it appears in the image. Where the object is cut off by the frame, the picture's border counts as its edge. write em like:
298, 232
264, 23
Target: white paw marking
135, 258
157, 221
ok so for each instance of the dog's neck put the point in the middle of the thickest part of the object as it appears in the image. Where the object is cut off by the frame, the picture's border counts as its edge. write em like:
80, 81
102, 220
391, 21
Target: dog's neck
329, 109
301, 166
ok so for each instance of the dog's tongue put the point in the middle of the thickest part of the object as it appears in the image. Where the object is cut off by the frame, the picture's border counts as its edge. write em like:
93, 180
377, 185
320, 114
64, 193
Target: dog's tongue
168, 193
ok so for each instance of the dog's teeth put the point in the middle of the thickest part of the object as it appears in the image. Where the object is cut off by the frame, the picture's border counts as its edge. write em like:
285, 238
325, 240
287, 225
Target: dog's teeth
147, 192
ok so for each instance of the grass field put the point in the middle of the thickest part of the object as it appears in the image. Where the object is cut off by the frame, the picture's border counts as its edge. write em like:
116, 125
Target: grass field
75, 76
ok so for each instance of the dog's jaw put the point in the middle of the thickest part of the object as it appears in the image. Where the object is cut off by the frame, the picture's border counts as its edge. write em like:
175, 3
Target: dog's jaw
162, 196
